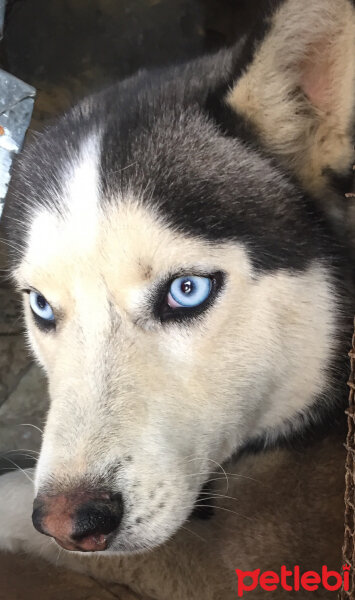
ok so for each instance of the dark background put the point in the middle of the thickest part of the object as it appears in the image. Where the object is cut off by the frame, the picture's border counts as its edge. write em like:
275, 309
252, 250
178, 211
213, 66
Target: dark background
66, 48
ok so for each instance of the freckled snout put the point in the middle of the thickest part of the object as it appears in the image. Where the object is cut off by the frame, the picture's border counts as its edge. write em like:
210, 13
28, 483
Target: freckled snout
80, 520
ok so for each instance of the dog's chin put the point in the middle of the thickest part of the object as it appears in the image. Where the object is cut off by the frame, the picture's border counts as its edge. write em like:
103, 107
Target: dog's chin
125, 541
118, 546
121, 544
124, 545
115, 545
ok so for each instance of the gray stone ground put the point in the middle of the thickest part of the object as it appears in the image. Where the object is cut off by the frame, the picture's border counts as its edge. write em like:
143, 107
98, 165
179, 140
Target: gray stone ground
23, 398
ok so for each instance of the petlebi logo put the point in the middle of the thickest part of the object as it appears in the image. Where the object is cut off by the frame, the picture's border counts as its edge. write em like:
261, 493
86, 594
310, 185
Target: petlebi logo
293, 580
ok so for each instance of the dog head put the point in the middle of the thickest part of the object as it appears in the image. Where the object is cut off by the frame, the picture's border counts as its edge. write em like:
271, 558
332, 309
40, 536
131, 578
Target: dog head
181, 283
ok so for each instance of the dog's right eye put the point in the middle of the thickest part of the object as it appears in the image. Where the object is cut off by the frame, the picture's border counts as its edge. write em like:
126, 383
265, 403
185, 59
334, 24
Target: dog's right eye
188, 296
42, 311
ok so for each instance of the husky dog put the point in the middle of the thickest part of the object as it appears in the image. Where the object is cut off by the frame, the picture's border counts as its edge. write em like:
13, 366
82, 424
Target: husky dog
188, 293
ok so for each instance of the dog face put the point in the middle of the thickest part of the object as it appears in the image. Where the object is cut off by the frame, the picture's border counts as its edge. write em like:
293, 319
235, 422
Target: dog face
180, 291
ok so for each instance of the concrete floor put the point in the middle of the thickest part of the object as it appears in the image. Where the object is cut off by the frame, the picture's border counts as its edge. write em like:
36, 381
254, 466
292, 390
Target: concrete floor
23, 399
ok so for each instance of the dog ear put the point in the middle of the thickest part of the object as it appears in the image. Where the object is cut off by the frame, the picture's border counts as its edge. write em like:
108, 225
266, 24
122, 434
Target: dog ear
298, 89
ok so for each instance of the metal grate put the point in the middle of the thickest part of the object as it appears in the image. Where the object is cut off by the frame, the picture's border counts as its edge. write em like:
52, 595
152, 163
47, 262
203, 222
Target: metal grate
349, 538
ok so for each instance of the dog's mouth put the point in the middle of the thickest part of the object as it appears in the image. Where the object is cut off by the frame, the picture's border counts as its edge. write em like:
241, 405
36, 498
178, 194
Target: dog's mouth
91, 517
100, 541
92, 543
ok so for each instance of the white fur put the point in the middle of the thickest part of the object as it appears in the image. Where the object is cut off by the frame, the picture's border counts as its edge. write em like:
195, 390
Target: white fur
77, 222
173, 398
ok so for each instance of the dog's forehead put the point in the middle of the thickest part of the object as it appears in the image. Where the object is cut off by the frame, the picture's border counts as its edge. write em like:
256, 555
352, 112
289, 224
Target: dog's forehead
124, 242
176, 164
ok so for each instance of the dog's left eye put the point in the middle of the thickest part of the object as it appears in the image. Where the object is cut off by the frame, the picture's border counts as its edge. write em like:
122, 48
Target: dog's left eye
189, 292
41, 309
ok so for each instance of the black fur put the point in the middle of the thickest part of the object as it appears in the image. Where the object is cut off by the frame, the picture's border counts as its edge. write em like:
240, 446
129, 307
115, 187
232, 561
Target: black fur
203, 175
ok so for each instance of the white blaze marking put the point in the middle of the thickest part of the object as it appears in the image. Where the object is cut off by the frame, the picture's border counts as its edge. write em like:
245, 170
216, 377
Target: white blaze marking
75, 227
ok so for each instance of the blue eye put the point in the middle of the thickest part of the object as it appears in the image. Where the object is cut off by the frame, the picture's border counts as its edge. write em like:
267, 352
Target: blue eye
188, 291
40, 306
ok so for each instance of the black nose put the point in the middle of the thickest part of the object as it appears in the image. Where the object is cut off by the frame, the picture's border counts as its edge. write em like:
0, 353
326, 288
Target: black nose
98, 517
79, 520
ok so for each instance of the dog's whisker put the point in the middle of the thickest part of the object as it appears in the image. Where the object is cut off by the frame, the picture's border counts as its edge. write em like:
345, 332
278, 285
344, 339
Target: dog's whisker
219, 496
230, 476
193, 533
222, 508
18, 468
24, 455
31, 425
223, 471
60, 551
22, 450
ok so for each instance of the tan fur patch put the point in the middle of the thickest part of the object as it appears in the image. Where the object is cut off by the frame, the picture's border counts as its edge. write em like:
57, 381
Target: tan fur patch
299, 89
